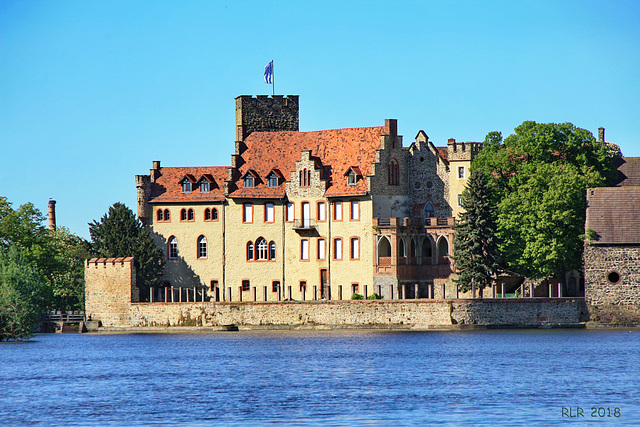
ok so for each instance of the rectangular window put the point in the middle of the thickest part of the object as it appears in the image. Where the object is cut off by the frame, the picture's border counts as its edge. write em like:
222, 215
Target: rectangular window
186, 186
321, 249
275, 285
355, 210
268, 212
290, 212
351, 178
246, 285
214, 285
303, 285
459, 199
304, 249
247, 212
337, 248
355, 248
204, 186
337, 211
273, 180
461, 172
322, 212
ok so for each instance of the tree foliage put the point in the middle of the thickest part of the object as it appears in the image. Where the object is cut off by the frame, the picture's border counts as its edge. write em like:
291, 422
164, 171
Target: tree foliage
476, 254
120, 234
21, 295
538, 177
57, 256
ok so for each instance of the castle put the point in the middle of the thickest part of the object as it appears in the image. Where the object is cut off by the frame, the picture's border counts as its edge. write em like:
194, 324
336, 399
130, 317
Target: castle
307, 215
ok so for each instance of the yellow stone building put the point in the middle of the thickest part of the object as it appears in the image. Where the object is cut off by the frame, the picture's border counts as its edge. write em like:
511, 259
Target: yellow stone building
306, 215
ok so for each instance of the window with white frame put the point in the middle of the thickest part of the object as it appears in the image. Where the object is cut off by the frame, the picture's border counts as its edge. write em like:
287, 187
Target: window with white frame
290, 212
322, 211
272, 250
304, 249
247, 212
273, 180
461, 172
355, 210
459, 199
186, 186
268, 212
249, 181
337, 248
352, 178
173, 247
337, 211
202, 247
204, 186
355, 248
262, 253
321, 249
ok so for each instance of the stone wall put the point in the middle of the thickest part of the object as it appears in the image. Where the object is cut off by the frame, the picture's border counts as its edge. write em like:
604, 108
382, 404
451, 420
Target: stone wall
396, 313
110, 288
265, 114
612, 283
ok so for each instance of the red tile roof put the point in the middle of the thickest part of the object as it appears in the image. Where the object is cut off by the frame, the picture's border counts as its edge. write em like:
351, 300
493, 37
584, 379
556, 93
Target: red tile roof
167, 187
614, 214
336, 150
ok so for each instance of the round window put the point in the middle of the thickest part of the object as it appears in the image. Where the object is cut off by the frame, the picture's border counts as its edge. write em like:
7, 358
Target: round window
417, 185
429, 184
422, 159
613, 277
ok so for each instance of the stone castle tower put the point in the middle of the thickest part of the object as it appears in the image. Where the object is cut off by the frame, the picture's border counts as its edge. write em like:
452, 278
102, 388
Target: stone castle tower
265, 114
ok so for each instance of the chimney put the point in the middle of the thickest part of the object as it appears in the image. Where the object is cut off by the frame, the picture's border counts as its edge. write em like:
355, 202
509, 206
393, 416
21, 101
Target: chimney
155, 171
600, 134
52, 214
391, 126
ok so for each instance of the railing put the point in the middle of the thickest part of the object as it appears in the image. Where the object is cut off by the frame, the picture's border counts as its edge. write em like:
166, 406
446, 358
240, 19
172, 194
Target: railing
414, 222
304, 224
58, 316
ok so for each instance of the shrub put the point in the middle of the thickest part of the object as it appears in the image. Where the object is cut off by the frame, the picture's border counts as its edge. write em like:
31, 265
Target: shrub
374, 296
357, 296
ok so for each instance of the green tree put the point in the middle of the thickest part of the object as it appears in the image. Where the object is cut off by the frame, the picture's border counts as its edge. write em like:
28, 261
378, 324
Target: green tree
537, 180
21, 296
120, 234
67, 280
476, 249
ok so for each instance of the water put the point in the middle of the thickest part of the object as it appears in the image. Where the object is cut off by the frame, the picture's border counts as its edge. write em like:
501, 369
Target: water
518, 377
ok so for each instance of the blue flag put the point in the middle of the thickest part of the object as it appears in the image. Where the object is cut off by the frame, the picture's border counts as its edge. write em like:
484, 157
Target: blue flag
268, 73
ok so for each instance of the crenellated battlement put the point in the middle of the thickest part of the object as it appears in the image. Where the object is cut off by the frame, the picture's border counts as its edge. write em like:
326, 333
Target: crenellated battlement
462, 150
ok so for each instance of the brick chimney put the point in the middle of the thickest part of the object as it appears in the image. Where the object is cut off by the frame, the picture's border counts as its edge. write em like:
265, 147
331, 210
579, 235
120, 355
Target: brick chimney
600, 134
52, 214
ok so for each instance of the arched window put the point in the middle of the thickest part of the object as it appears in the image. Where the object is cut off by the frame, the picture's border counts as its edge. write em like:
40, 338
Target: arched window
413, 251
426, 248
172, 247
202, 247
305, 178
159, 215
207, 214
272, 250
384, 247
394, 172
402, 250
167, 215
443, 249
249, 251
261, 249
428, 211
183, 215
214, 214
190, 215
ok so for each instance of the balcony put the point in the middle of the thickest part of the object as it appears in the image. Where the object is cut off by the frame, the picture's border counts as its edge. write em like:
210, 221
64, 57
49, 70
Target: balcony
304, 225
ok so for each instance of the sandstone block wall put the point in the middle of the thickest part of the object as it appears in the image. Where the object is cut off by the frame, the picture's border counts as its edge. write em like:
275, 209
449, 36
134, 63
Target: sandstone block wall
362, 313
110, 288
265, 114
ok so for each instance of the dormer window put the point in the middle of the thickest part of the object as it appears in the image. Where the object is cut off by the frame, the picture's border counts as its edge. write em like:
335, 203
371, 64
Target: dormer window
274, 181
352, 175
352, 178
204, 186
249, 181
186, 186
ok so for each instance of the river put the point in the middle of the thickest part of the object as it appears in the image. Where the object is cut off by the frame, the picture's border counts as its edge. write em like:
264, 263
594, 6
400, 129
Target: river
318, 378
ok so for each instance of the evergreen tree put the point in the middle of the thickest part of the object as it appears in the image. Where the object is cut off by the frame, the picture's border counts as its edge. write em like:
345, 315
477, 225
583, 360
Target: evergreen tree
120, 234
476, 249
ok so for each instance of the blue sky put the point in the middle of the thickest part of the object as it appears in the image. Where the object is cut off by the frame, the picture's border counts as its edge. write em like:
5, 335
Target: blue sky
91, 92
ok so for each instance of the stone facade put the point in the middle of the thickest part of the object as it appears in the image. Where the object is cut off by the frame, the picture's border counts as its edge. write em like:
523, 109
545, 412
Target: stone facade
612, 283
110, 290
265, 114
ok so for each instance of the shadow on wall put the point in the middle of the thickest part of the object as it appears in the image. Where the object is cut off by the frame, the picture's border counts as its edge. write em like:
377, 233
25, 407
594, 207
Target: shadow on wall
177, 272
